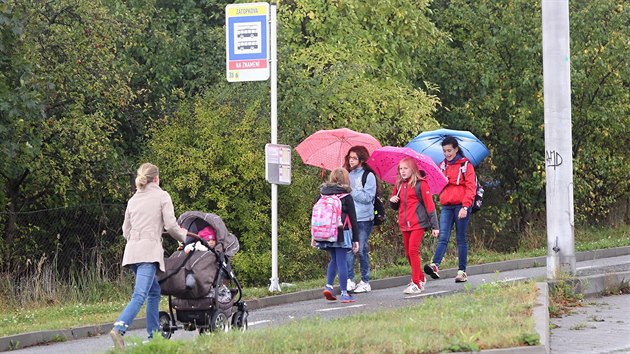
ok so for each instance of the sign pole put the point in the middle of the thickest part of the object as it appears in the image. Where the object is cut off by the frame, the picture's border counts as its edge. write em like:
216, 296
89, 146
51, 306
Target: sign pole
558, 138
274, 286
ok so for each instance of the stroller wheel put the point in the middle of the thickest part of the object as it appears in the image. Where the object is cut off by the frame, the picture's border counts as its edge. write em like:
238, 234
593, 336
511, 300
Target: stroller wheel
165, 324
219, 322
239, 321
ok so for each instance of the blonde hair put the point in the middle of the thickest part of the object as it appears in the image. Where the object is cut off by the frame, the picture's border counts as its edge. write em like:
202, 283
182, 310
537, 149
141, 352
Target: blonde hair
339, 176
416, 174
146, 174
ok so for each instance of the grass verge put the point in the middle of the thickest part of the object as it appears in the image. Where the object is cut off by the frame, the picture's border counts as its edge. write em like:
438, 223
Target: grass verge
467, 322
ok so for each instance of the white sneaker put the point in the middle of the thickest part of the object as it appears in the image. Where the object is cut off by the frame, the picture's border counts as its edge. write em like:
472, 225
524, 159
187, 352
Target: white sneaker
350, 285
412, 288
363, 287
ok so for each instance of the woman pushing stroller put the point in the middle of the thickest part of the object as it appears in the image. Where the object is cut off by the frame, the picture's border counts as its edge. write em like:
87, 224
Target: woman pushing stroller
149, 212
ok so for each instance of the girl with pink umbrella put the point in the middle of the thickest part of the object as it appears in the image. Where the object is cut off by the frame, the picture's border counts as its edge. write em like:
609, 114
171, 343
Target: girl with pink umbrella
412, 197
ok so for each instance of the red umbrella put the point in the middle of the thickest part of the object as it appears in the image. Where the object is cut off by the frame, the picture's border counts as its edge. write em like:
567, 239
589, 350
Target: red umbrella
384, 162
328, 148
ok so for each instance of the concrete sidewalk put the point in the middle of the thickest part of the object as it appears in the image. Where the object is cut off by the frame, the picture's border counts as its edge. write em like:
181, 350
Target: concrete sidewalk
602, 325
598, 270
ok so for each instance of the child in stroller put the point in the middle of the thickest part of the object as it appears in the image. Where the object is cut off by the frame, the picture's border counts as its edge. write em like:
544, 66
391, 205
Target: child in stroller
202, 289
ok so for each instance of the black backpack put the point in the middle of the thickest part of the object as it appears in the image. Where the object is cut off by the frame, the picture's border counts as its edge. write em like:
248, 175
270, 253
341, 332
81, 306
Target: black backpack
379, 207
478, 201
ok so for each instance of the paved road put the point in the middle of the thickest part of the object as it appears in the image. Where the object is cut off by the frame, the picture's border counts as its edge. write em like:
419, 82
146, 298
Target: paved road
375, 300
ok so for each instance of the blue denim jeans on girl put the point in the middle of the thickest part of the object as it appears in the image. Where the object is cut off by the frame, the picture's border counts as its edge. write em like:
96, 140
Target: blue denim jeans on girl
365, 229
448, 217
338, 263
146, 289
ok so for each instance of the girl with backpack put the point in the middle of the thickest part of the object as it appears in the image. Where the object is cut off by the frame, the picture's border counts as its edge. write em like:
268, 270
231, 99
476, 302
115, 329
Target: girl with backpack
456, 200
338, 185
416, 212
364, 188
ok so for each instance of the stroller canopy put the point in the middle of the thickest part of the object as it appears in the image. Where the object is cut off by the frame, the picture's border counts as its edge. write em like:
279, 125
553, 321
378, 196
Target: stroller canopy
194, 221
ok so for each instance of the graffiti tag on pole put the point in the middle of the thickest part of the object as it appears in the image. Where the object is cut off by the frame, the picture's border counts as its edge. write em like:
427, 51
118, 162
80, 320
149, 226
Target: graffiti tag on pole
554, 159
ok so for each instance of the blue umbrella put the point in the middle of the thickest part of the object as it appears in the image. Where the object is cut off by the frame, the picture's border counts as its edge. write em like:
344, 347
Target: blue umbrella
430, 144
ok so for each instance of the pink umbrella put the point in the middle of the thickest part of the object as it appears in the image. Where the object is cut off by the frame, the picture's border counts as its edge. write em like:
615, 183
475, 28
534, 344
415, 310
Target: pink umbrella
328, 148
384, 162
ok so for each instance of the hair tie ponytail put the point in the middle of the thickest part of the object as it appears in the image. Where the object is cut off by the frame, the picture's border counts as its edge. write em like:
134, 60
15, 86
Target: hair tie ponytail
146, 174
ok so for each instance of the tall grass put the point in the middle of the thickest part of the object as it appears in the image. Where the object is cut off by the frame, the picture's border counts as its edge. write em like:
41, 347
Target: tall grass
41, 285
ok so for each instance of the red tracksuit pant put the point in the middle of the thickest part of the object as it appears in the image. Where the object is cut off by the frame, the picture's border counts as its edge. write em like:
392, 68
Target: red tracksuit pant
411, 241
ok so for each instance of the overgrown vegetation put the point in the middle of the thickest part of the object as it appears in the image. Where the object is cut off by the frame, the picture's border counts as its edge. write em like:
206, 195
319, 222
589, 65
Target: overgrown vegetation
622, 288
563, 299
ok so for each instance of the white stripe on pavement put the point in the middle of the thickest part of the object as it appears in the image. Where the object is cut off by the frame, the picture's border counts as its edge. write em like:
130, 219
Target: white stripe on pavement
258, 322
512, 279
426, 294
339, 308
599, 267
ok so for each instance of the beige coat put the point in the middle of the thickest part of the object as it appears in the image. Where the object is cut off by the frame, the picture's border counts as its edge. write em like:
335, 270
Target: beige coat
148, 213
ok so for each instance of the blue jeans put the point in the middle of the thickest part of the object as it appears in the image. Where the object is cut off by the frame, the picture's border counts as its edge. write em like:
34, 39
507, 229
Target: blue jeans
337, 264
146, 289
365, 229
448, 217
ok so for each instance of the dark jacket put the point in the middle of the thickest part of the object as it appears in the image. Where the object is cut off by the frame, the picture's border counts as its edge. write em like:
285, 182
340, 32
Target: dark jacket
347, 207
416, 209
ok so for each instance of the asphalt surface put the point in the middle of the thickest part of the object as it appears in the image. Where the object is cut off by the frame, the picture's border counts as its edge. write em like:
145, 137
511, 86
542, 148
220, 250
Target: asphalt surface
602, 326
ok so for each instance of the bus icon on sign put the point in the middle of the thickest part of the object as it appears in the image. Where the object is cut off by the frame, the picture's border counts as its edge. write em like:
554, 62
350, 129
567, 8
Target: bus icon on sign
247, 45
247, 33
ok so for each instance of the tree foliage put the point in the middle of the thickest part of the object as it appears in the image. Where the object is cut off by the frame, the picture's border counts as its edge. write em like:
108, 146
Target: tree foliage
490, 79
326, 81
349, 64
58, 133
90, 89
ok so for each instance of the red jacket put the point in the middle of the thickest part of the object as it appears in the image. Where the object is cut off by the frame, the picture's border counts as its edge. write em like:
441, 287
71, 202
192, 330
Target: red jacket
461, 187
412, 214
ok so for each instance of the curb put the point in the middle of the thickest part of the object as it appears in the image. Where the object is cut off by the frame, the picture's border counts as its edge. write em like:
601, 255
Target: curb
588, 285
503, 266
23, 340
595, 285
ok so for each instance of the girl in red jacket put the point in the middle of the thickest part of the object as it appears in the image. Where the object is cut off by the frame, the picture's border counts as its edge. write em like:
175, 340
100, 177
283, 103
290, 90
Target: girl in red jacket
416, 212
456, 199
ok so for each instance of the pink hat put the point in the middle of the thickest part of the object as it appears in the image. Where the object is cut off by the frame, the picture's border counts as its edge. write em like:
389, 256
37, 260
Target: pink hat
207, 233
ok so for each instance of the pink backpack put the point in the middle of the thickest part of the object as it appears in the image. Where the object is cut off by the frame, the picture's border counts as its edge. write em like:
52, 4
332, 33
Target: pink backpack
326, 218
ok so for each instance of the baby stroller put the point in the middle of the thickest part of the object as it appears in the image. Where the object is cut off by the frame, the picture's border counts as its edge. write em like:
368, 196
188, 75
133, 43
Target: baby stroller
203, 292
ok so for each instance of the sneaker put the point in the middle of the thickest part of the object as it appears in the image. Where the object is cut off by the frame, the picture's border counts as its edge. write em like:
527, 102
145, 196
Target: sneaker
412, 288
461, 277
347, 298
351, 285
363, 287
117, 337
432, 270
328, 293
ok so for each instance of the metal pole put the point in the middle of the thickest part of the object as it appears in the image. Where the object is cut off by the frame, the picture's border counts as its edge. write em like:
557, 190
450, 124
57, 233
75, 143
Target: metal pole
274, 286
558, 138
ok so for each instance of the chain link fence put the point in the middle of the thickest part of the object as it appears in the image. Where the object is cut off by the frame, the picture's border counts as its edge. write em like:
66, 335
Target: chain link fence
70, 238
